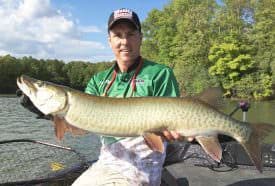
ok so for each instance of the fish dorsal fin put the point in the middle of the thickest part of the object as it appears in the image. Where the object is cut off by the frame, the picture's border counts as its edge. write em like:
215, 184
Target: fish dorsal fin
61, 126
211, 146
211, 96
154, 142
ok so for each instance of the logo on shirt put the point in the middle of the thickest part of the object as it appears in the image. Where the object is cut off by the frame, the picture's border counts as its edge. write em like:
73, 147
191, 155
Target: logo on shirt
139, 81
103, 82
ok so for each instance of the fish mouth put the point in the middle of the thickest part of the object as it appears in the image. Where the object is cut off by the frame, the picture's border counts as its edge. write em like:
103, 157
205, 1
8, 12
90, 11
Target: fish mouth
26, 84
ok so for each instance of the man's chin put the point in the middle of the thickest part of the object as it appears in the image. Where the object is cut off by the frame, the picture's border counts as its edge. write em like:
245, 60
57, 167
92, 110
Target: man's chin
127, 58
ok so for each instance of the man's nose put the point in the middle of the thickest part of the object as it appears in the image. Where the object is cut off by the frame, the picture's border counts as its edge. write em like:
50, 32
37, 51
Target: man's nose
124, 40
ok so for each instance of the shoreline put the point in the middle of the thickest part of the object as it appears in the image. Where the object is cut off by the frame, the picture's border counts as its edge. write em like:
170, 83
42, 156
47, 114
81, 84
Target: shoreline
8, 95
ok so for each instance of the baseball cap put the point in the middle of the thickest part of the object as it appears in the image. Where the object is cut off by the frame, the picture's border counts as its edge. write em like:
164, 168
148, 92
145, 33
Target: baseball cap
124, 14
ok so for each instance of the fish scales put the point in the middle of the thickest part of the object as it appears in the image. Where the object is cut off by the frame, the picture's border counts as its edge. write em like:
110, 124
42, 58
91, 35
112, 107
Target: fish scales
131, 117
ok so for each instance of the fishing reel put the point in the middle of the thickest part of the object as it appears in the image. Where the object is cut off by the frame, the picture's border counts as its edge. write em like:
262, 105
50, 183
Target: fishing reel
244, 106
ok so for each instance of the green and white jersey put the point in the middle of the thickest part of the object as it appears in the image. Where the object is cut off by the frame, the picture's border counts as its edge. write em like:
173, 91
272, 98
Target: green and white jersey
152, 80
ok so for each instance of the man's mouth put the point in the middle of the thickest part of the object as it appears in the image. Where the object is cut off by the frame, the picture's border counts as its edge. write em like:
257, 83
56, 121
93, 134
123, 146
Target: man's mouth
125, 51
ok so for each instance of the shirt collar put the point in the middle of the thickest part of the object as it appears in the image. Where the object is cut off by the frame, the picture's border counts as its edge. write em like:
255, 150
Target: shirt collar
131, 68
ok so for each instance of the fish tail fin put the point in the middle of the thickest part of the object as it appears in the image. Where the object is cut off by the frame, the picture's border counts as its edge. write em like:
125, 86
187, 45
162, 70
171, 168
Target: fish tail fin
253, 145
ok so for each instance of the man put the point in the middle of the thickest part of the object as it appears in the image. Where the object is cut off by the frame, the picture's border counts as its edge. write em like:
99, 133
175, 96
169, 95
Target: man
128, 161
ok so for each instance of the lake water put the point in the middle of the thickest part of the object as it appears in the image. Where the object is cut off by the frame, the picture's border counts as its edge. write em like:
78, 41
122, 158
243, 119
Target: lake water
28, 161
17, 123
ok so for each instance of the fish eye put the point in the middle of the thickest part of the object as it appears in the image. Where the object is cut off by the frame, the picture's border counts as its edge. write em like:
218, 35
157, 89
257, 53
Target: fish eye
40, 83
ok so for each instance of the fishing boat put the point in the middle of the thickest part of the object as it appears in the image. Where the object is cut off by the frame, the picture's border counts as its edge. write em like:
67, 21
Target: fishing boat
188, 164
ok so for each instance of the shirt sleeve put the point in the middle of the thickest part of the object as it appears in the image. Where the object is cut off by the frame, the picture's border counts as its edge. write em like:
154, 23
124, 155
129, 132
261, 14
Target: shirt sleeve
165, 84
92, 87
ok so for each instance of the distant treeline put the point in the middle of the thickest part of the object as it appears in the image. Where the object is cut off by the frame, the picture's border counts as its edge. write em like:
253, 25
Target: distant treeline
75, 74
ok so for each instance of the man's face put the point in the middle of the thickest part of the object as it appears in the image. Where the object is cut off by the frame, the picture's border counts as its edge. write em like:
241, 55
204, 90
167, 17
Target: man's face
125, 42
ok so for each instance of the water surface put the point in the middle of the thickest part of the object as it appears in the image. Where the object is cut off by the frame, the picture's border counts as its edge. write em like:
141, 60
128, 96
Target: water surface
17, 122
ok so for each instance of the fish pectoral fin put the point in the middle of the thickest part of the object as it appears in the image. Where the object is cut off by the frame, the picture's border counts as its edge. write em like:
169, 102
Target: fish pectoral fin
74, 130
211, 146
59, 127
154, 142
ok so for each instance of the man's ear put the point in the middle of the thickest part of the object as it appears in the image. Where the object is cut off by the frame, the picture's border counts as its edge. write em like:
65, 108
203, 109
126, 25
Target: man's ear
109, 40
141, 36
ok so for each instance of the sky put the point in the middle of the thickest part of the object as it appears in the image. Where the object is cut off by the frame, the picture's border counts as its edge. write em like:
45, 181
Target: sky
66, 30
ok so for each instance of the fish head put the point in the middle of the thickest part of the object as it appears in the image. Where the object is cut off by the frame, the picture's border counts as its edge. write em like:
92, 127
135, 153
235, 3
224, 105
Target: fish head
49, 98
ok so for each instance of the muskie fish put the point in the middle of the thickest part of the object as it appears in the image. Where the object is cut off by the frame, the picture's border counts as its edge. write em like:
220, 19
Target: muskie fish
126, 117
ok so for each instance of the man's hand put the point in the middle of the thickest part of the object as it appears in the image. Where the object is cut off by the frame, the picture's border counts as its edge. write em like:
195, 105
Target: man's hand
26, 103
173, 135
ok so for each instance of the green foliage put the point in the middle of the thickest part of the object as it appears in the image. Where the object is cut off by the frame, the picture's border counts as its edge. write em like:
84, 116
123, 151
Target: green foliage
178, 36
75, 73
254, 86
9, 68
263, 36
264, 87
237, 72
159, 30
194, 82
54, 71
79, 73
230, 62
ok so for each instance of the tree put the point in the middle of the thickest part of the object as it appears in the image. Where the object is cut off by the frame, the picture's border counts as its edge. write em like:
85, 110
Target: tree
178, 37
74, 72
237, 71
9, 71
264, 36
55, 72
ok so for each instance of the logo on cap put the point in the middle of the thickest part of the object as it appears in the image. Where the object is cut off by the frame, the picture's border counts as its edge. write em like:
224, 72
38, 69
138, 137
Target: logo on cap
123, 13
126, 14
